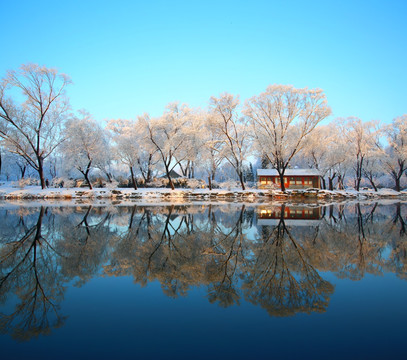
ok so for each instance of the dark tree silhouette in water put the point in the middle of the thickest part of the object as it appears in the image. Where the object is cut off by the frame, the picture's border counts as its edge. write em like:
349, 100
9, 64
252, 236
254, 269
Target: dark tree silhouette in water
280, 277
28, 269
227, 254
217, 247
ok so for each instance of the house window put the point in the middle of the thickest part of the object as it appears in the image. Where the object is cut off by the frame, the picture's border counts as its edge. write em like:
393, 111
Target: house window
266, 180
308, 181
292, 180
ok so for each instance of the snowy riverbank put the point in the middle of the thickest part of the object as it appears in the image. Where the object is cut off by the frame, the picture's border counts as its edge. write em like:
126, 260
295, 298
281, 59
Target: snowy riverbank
8, 192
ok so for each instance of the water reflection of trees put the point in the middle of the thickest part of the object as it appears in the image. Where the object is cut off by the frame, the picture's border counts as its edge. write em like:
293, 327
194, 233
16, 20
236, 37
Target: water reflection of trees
29, 269
277, 266
282, 276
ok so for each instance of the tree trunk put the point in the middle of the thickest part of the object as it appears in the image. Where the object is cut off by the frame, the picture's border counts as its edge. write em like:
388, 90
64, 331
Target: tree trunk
359, 168
184, 172
264, 161
133, 211
169, 177
323, 182
396, 175
399, 218
86, 176
53, 171
213, 172
241, 180
133, 178
41, 171
331, 212
372, 183
150, 160
358, 180
282, 185
340, 182
39, 224
209, 183
397, 181
331, 183
148, 178
109, 176
23, 169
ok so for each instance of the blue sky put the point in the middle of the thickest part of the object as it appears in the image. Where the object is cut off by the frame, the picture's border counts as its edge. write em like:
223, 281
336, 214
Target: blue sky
130, 57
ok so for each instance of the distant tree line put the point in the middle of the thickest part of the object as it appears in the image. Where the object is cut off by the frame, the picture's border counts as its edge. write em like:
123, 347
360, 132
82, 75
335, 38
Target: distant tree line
280, 127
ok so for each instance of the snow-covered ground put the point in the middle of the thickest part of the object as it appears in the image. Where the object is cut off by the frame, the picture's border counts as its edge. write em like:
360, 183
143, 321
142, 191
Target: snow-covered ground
10, 192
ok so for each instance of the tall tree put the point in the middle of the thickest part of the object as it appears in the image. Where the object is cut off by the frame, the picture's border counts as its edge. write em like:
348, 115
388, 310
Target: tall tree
85, 145
395, 161
167, 136
126, 144
281, 118
210, 154
233, 130
362, 139
193, 132
328, 155
32, 129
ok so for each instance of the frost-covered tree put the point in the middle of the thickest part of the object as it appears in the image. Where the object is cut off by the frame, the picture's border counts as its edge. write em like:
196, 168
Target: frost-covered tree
395, 157
127, 147
85, 145
147, 162
14, 166
132, 147
211, 151
233, 130
32, 129
325, 150
281, 118
54, 164
166, 135
105, 164
193, 133
362, 140
373, 167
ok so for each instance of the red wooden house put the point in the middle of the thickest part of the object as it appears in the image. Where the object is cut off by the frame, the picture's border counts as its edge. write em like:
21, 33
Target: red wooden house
293, 178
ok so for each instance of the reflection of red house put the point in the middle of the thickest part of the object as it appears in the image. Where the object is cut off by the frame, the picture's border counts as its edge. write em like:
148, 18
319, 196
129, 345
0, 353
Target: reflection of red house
290, 212
293, 178
293, 215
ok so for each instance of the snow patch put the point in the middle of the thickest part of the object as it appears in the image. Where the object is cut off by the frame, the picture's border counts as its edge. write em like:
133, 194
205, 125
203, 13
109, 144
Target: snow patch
8, 192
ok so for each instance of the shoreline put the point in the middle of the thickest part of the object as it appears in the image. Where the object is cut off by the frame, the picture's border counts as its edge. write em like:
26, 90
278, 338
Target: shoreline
29, 193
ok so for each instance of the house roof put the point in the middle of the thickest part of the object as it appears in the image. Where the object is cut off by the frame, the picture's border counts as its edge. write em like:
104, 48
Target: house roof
289, 172
173, 174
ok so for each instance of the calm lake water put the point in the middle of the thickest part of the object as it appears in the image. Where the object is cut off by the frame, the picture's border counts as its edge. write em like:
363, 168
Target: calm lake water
203, 281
